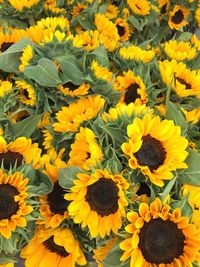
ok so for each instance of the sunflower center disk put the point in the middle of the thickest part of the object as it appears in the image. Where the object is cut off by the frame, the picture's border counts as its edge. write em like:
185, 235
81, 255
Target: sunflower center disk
163, 9
71, 86
57, 203
151, 153
161, 241
131, 93
102, 197
10, 158
5, 46
178, 17
8, 206
121, 30
53, 247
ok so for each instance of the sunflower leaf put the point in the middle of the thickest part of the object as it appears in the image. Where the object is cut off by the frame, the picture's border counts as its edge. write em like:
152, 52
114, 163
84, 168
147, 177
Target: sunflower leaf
26, 127
183, 204
68, 175
10, 59
44, 73
192, 174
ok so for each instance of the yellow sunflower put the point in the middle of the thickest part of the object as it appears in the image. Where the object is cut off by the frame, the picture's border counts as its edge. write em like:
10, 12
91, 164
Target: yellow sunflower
26, 57
194, 197
123, 29
108, 33
50, 5
44, 121
85, 151
19, 5
178, 17
88, 40
123, 111
164, 6
140, 7
10, 264
160, 237
69, 118
179, 50
102, 252
57, 36
132, 87
98, 201
10, 37
195, 41
13, 192
184, 82
134, 52
53, 247
155, 147
111, 11
70, 89
26, 93
193, 115
77, 9
101, 72
197, 16
5, 88
18, 151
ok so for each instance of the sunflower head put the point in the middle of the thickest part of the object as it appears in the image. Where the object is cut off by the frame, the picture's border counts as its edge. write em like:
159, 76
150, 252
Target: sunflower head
178, 17
150, 147
98, 202
139, 7
159, 236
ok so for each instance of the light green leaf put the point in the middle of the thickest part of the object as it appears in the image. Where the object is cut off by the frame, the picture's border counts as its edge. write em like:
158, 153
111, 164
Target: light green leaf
135, 23
10, 59
192, 174
44, 73
174, 113
167, 189
26, 127
68, 175
183, 204
102, 56
71, 69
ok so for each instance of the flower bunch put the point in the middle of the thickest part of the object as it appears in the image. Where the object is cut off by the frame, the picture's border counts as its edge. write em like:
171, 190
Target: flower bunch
99, 133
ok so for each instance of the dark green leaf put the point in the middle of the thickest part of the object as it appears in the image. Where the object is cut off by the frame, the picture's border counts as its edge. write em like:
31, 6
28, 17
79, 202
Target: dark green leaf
44, 73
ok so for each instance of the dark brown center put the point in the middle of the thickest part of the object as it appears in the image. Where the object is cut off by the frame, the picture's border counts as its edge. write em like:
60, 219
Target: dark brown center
144, 189
121, 30
178, 17
131, 93
57, 203
163, 9
53, 247
5, 46
9, 159
102, 197
161, 241
187, 85
151, 153
8, 206
71, 86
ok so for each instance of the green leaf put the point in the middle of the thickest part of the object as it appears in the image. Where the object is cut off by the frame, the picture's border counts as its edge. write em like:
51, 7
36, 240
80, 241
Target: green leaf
102, 56
192, 174
167, 189
71, 69
68, 175
174, 113
44, 73
183, 204
26, 127
135, 23
10, 59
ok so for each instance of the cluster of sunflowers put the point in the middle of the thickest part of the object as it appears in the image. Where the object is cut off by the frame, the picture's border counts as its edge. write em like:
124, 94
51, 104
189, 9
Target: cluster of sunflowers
99, 133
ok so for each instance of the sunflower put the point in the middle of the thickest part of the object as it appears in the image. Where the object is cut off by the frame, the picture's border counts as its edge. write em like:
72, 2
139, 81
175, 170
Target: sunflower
85, 151
50, 5
160, 237
134, 52
140, 7
155, 147
44, 121
121, 111
111, 11
132, 87
70, 89
193, 115
57, 36
77, 9
179, 50
101, 72
184, 82
178, 17
19, 5
98, 201
18, 151
88, 40
5, 88
53, 247
197, 16
108, 33
69, 118
10, 37
164, 6
102, 252
123, 29
194, 197
13, 192
26, 57
10, 264
27, 93
195, 41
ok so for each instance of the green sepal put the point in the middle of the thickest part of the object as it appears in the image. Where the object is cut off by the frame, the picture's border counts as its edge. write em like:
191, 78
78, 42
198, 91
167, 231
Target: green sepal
68, 175
10, 59
44, 73
192, 174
